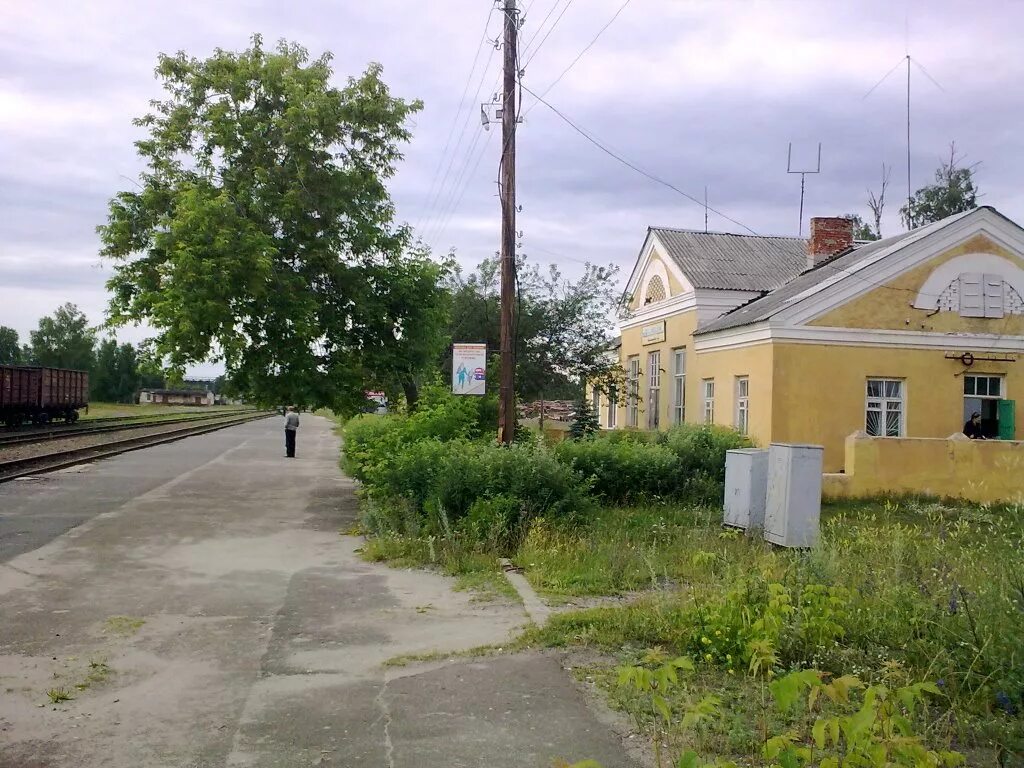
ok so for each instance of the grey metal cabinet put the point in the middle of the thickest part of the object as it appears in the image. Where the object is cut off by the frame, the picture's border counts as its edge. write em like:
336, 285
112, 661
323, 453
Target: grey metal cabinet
793, 503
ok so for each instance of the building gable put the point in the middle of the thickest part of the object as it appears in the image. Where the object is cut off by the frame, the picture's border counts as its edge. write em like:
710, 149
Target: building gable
655, 277
973, 287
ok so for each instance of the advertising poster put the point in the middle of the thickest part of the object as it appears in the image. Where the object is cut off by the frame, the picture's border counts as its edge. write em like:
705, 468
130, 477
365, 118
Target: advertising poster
469, 369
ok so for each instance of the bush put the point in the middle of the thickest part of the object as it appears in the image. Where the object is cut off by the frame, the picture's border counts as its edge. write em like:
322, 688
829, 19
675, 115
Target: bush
687, 463
626, 471
444, 482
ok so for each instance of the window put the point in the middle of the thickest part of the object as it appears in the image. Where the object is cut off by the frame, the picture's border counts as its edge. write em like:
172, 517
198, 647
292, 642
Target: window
654, 389
708, 390
595, 403
655, 290
884, 411
982, 395
613, 406
742, 404
678, 386
981, 295
633, 393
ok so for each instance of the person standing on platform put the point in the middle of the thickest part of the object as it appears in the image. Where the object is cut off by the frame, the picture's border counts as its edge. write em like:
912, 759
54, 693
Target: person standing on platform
291, 426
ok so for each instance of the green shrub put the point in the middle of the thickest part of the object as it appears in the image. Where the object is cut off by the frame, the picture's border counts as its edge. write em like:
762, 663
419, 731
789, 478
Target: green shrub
701, 449
624, 471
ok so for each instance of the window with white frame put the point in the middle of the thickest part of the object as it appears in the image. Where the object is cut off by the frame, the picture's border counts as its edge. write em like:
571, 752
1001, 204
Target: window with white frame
613, 407
653, 389
708, 392
679, 385
595, 403
742, 404
633, 393
982, 394
885, 408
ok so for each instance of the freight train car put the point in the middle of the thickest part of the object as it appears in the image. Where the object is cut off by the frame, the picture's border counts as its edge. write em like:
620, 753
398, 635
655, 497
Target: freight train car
31, 393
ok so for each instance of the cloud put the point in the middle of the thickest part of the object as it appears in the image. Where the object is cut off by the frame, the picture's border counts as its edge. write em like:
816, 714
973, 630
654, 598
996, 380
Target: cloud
699, 93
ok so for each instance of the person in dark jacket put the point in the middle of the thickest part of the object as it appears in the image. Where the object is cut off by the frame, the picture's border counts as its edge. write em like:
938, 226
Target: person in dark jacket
291, 426
973, 427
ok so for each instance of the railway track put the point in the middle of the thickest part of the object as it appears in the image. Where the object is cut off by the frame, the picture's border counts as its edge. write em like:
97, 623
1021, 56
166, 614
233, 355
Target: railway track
99, 426
12, 469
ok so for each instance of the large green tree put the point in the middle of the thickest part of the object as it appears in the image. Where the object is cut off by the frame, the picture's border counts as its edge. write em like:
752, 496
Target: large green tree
561, 328
953, 192
64, 340
10, 349
263, 230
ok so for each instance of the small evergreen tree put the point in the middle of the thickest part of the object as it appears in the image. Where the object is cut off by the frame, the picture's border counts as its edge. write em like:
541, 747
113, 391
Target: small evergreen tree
584, 423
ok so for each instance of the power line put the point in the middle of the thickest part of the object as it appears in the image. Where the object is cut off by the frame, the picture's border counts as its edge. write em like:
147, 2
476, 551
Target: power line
632, 166
581, 53
465, 186
441, 194
542, 23
546, 35
455, 117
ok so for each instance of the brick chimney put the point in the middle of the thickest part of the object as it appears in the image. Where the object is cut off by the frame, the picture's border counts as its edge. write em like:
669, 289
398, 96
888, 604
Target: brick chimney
829, 236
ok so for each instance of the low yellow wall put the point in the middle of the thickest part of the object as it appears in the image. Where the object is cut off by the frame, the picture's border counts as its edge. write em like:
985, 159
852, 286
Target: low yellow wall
976, 470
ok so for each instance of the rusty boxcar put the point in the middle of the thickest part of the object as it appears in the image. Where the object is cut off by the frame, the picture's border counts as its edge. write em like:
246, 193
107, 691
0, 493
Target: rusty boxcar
33, 393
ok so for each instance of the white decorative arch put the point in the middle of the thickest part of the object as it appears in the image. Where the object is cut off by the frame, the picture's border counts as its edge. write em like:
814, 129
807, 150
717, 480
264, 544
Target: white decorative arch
655, 268
979, 263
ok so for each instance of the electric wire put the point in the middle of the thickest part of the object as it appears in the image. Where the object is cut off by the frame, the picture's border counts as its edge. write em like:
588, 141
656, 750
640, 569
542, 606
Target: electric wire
633, 166
458, 112
580, 55
546, 35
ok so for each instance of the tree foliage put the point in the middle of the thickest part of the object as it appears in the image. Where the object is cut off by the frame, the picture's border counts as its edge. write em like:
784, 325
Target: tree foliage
861, 229
263, 234
116, 377
64, 340
953, 192
10, 348
561, 336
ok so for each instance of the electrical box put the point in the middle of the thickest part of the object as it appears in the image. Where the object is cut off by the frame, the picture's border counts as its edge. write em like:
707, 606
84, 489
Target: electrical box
793, 503
746, 487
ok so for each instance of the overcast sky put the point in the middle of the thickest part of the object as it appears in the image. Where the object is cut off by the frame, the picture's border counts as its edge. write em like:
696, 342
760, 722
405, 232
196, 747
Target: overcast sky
699, 93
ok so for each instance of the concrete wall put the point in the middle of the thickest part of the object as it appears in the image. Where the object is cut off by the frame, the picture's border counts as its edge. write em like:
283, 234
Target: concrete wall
724, 366
977, 470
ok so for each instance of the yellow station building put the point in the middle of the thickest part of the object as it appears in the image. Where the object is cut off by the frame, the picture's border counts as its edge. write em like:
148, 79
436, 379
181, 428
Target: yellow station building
809, 340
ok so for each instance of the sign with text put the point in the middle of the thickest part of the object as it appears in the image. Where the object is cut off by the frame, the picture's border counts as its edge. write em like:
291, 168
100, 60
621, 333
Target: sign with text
469, 369
652, 334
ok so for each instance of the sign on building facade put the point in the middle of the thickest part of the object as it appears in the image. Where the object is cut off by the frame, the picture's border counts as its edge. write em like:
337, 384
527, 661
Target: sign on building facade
652, 334
469, 369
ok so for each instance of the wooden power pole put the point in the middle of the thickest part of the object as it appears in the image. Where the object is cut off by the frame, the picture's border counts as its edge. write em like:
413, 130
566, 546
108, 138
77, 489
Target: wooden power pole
507, 405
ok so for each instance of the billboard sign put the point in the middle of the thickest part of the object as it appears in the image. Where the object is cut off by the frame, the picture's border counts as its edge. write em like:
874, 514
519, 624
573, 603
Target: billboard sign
469, 369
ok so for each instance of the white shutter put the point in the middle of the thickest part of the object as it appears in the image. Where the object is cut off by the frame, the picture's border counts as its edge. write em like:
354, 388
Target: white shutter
972, 302
993, 295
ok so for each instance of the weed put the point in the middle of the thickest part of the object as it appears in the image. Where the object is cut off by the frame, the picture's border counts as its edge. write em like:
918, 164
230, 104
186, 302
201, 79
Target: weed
57, 695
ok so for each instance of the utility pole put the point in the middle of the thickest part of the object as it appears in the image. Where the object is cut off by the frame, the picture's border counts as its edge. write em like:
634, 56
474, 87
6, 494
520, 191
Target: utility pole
507, 403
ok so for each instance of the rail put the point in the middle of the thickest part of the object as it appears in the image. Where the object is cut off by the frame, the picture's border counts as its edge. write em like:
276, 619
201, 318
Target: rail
12, 469
99, 426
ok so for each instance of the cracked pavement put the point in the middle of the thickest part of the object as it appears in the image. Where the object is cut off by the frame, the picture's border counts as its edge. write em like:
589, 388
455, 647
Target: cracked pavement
199, 603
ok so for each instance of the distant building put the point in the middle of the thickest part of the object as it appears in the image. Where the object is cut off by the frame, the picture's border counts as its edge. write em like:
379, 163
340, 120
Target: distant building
176, 397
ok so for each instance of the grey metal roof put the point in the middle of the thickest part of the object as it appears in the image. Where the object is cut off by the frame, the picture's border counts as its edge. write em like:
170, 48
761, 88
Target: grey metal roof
774, 301
734, 262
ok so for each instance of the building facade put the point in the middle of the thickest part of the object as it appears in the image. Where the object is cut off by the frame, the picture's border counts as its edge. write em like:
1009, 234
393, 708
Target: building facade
793, 340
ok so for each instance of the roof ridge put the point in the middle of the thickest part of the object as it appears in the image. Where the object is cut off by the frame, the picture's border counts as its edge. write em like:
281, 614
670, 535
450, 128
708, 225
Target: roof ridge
730, 234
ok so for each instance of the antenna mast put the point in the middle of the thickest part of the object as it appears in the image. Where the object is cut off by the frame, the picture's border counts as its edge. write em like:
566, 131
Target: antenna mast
803, 175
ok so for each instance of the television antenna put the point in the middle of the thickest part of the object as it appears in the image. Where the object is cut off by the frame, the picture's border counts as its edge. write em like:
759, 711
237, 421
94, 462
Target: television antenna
910, 61
803, 174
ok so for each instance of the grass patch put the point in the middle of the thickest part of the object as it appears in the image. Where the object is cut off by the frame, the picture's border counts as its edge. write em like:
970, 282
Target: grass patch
125, 626
406, 659
911, 587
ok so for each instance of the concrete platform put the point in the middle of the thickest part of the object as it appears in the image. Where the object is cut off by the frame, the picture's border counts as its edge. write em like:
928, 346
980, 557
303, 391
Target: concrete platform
200, 604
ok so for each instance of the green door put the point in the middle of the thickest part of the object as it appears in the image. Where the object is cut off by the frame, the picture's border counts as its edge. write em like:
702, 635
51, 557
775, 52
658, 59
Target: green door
1007, 427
